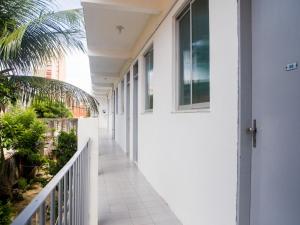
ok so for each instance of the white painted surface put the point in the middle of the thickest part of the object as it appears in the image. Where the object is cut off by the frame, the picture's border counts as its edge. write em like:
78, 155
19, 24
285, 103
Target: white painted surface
191, 158
108, 49
88, 128
104, 114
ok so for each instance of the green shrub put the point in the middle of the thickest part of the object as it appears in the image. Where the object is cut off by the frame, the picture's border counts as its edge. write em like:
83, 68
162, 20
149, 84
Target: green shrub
22, 184
65, 148
7, 93
51, 109
24, 132
42, 180
5, 213
53, 168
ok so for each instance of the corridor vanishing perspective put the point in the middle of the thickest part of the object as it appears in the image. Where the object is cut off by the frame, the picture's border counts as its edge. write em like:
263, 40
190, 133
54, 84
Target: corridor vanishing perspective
125, 197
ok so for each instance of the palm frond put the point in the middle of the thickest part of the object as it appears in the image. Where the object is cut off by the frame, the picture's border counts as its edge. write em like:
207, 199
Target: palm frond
31, 88
32, 33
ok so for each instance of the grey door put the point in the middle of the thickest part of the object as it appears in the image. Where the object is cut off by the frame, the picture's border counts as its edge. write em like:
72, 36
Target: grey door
128, 114
275, 188
114, 116
135, 112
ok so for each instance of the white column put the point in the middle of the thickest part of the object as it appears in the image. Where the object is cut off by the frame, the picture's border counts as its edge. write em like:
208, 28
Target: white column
88, 128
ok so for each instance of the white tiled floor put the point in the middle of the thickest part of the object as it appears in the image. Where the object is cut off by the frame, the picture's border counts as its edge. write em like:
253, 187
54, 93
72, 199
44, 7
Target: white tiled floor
125, 197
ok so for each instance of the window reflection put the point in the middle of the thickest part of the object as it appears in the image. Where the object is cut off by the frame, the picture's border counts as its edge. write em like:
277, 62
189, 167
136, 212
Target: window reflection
194, 80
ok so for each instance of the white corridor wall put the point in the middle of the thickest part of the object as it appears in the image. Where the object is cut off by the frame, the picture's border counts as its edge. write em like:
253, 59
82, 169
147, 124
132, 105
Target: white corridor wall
190, 158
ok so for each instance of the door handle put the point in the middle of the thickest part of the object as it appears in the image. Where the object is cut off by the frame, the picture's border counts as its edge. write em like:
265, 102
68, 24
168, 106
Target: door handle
253, 132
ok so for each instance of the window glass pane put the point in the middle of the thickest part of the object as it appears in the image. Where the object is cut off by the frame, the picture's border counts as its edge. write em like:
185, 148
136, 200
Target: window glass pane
149, 80
136, 71
185, 60
200, 51
128, 78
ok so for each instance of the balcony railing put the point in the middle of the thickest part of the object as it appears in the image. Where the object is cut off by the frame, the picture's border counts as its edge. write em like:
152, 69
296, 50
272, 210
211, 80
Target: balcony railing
65, 200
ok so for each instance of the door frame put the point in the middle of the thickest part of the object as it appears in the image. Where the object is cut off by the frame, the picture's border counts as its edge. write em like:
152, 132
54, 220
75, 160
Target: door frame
245, 112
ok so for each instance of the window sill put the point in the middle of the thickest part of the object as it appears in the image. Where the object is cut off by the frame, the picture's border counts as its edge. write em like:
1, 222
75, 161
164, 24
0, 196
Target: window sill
202, 110
147, 112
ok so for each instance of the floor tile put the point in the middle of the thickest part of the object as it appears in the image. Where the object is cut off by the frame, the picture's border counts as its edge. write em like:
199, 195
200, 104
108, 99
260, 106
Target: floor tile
125, 196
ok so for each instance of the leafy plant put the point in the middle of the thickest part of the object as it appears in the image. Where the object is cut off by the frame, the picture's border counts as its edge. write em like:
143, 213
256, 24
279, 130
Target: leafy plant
7, 92
28, 89
22, 184
34, 32
53, 166
24, 132
28, 128
65, 149
5, 213
42, 180
51, 109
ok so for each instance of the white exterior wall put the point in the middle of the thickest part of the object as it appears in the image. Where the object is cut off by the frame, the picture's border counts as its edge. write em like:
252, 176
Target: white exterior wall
191, 158
88, 128
104, 114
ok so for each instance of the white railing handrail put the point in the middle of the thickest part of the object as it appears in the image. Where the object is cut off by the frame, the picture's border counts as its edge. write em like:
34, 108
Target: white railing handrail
37, 202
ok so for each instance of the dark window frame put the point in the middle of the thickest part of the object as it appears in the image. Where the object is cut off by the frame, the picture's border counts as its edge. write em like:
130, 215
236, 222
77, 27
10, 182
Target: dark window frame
149, 99
187, 9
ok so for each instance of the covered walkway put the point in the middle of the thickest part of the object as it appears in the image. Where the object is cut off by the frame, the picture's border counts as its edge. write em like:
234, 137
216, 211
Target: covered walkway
125, 197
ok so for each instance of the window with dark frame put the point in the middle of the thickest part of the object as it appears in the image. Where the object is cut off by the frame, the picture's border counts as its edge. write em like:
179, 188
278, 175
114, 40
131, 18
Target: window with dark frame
193, 55
136, 70
148, 80
128, 78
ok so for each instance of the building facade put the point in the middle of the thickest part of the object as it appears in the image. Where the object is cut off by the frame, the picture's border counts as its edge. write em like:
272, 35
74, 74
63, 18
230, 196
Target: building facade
202, 95
53, 70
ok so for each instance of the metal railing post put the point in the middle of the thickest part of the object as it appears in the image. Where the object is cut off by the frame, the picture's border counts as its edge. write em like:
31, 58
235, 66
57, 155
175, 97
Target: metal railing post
42, 219
70, 195
67, 195
65, 214
60, 203
52, 207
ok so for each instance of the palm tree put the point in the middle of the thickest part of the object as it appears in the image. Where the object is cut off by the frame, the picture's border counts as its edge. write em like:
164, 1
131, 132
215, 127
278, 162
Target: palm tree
33, 33
29, 88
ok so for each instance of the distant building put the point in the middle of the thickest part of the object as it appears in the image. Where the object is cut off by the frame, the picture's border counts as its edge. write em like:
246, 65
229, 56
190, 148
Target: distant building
53, 70
57, 70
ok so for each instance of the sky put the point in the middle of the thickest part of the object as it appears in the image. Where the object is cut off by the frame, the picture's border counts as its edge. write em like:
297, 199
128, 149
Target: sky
69, 4
77, 64
78, 71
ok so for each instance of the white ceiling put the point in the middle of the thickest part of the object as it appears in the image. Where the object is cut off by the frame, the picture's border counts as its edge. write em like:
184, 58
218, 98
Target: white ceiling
105, 65
105, 35
109, 49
